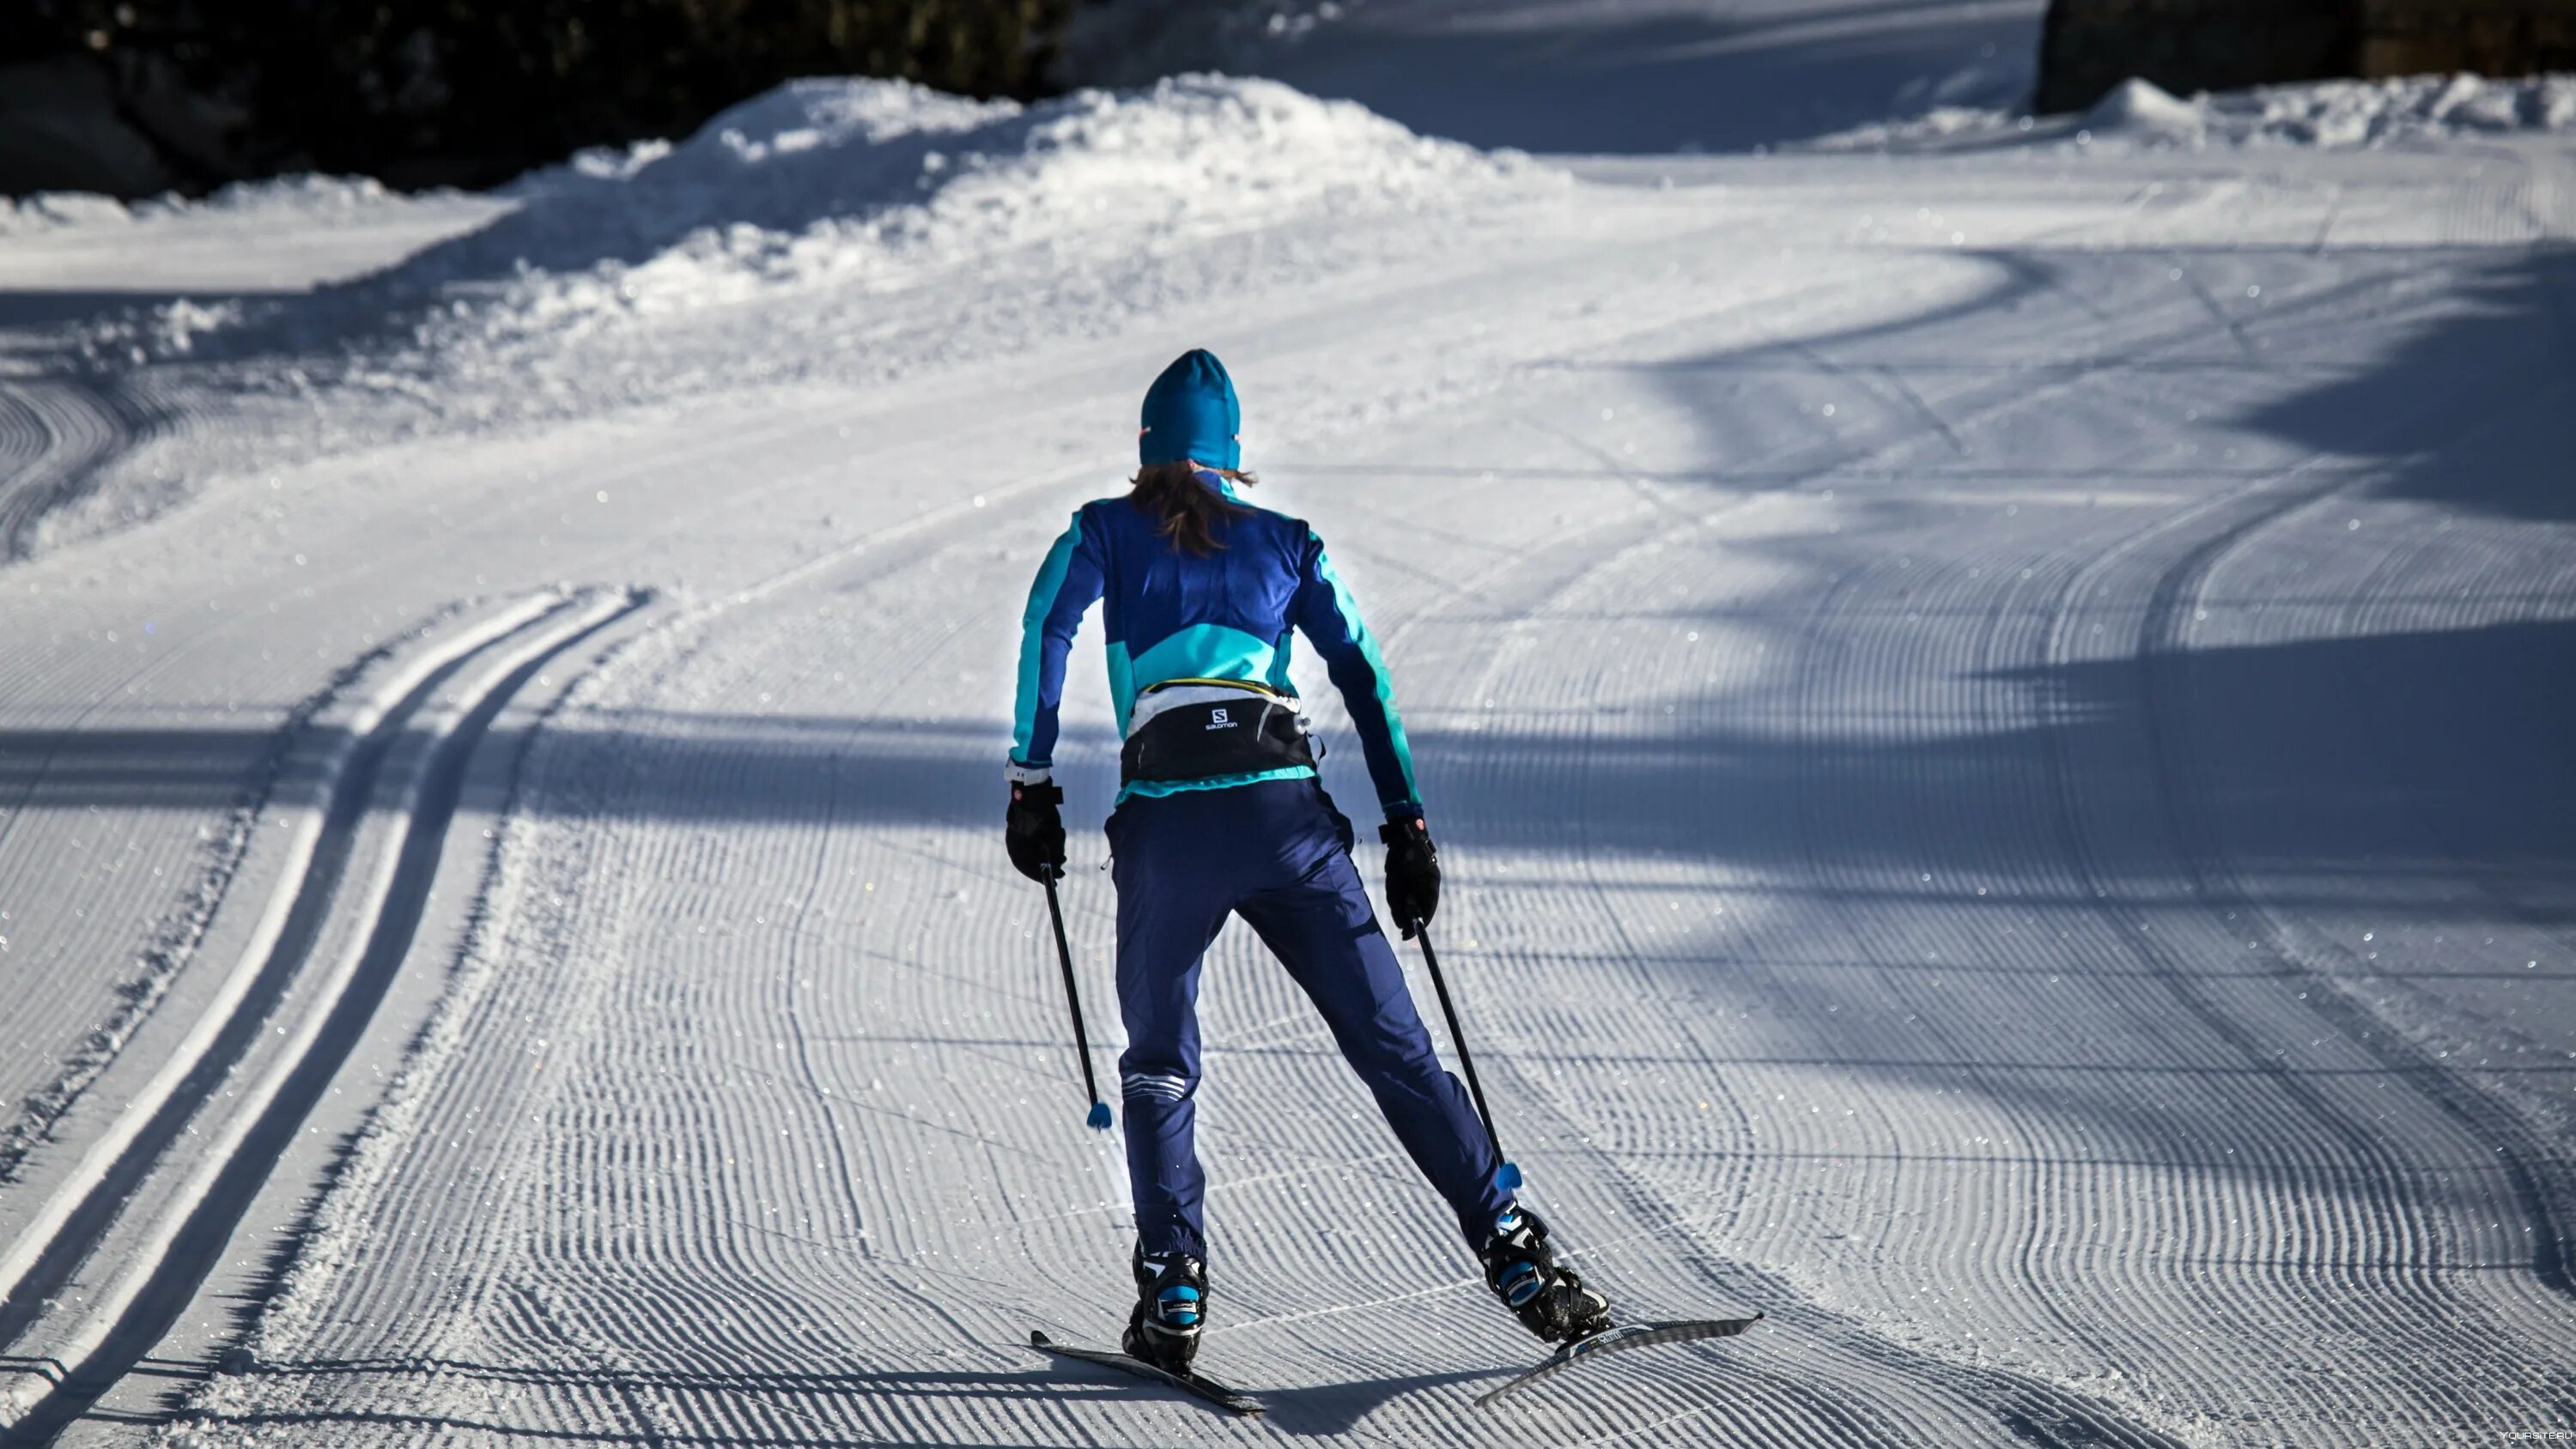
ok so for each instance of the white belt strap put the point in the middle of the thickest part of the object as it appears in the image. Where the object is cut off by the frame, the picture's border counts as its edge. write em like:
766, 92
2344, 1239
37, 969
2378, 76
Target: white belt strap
1157, 701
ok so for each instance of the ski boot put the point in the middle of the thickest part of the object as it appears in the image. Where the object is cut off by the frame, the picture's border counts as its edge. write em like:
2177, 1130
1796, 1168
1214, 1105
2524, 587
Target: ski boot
1171, 1303
1548, 1298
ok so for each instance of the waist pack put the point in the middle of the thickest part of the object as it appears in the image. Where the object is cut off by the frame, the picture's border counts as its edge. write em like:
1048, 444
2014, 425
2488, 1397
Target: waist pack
1197, 730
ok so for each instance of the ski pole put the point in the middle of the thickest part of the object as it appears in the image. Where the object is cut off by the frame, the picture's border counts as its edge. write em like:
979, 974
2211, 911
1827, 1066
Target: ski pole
1099, 1117
1508, 1175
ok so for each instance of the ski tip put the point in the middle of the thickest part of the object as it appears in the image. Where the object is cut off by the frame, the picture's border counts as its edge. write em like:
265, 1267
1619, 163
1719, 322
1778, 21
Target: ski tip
1099, 1118
1508, 1177
1038, 1338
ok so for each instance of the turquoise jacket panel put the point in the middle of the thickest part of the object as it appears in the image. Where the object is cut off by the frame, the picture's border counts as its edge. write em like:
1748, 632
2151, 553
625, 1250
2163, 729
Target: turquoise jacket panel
1231, 615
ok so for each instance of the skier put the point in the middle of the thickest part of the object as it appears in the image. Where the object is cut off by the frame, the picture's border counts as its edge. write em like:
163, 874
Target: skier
1220, 812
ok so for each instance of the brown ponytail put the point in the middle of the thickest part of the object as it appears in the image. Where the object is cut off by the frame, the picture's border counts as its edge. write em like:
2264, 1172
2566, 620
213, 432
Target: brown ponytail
1188, 509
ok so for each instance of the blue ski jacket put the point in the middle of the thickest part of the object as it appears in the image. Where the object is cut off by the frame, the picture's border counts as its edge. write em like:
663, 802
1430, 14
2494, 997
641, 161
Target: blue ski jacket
1224, 618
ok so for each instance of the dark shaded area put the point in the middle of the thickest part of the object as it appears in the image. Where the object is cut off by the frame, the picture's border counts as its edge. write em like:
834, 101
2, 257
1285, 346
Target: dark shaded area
2089, 46
132, 97
39, 311
1704, 82
2375, 757
2378, 760
1329, 1409
2468, 450
2488, 37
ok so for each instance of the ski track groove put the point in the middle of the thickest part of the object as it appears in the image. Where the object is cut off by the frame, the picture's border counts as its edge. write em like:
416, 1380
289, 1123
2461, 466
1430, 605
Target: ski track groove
2399, 1239
122, 1320
2532, 1164
175, 941
56, 997
117, 1157
56, 435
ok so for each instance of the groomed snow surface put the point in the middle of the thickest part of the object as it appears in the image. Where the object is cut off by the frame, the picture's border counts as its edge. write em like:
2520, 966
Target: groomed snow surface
1998, 716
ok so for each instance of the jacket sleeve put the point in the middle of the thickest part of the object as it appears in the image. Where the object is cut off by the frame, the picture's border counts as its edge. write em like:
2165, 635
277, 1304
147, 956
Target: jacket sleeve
1327, 614
1068, 583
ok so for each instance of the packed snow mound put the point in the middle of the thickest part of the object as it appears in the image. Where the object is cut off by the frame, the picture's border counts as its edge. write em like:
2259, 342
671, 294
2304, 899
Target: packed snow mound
871, 181
896, 224
851, 188
2140, 108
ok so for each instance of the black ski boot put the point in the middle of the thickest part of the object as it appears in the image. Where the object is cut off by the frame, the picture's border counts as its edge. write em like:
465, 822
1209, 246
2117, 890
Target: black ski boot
1171, 1303
1546, 1296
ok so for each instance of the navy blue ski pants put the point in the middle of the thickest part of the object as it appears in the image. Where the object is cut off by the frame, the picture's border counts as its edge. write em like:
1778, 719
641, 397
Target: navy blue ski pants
1277, 854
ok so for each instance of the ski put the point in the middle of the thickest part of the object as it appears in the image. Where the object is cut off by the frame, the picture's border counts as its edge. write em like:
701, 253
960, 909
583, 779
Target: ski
1197, 1386
1627, 1336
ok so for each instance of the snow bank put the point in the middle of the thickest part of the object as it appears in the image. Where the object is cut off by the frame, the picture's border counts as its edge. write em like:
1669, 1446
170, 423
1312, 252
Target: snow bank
863, 186
2320, 114
47, 210
285, 199
859, 181
2373, 113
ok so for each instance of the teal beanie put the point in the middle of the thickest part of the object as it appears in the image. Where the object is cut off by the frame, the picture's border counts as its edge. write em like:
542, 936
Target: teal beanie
1191, 413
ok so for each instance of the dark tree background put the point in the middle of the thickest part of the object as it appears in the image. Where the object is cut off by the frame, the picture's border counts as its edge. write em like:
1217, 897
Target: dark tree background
455, 92
2088, 46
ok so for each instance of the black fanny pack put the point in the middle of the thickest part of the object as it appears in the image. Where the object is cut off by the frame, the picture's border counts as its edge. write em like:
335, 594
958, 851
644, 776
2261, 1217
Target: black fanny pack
1245, 734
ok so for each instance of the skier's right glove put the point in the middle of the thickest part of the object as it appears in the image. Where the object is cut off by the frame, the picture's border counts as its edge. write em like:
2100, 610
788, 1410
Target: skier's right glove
1033, 831
1412, 874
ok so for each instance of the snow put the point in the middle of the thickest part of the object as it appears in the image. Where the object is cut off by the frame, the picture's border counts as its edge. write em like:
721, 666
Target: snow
2138, 108
2324, 115
2376, 113
59, 208
283, 200
859, 183
858, 197
1995, 709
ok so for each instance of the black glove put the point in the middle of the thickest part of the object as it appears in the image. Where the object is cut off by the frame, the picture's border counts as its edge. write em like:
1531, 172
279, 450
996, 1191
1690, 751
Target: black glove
1033, 831
1412, 874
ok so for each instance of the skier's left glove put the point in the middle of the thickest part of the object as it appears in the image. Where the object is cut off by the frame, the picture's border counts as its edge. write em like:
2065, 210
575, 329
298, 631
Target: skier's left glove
1412, 874
1033, 831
